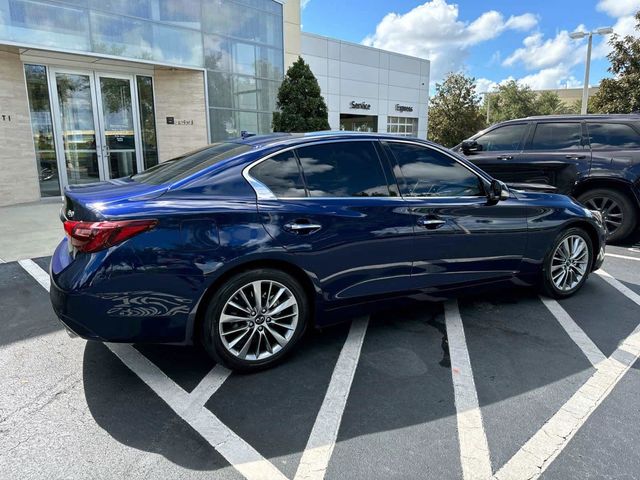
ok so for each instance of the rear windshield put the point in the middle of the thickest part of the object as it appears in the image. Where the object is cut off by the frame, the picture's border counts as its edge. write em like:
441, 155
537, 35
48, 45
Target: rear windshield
190, 163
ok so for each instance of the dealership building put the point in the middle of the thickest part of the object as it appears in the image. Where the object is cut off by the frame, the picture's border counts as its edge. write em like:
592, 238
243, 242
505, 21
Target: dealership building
92, 90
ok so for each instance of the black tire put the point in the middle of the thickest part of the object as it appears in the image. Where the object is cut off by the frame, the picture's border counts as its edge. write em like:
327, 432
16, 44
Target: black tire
548, 286
210, 334
628, 210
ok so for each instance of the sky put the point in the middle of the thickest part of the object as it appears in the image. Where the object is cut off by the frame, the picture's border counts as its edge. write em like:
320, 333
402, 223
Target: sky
491, 40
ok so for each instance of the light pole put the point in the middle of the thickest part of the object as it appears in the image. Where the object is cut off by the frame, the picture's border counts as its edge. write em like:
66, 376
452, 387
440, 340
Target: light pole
581, 34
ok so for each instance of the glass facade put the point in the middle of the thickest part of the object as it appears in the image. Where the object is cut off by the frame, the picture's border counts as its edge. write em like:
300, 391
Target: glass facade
239, 42
42, 128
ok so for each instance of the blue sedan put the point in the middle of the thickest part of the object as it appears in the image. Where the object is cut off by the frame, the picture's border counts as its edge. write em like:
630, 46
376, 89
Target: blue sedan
245, 244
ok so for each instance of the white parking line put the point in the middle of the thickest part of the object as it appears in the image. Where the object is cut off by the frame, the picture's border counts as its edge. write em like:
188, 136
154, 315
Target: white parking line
626, 291
209, 385
36, 272
535, 456
315, 459
236, 451
625, 257
590, 350
474, 449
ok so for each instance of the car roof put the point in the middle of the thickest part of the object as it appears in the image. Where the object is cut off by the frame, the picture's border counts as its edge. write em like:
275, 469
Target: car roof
619, 116
289, 139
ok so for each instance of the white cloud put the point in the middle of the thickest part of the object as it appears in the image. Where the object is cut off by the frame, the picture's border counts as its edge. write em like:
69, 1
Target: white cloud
540, 53
618, 8
304, 3
433, 31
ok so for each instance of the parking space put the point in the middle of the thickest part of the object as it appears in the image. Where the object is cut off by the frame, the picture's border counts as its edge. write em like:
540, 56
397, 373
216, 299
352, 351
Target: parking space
505, 383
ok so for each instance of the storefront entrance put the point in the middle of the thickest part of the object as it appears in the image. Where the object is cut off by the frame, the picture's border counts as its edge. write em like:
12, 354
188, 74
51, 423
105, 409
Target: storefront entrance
358, 123
96, 125
87, 125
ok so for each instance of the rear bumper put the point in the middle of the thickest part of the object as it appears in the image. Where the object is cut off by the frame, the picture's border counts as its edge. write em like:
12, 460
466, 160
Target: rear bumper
115, 309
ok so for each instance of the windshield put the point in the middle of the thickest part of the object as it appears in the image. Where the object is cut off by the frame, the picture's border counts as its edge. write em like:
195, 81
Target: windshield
190, 163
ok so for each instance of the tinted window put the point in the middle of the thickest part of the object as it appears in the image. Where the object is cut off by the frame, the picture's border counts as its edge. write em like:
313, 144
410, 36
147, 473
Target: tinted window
502, 138
343, 169
424, 172
557, 136
612, 135
190, 163
281, 174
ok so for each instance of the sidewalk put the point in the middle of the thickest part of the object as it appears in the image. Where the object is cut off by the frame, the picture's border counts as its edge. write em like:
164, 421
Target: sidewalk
29, 230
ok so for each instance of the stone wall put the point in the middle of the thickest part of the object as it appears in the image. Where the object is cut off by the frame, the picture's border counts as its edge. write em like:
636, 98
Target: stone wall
18, 171
180, 98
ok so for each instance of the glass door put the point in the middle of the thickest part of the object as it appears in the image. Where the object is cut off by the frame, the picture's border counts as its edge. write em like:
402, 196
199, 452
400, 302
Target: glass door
78, 143
119, 125
97, 125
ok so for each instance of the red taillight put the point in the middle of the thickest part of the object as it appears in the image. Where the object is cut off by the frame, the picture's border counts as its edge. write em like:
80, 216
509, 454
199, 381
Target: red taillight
93, 236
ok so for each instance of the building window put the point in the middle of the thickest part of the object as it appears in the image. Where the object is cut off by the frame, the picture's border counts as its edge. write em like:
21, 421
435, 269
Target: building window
403, 126
358, 123
244, 58
42, 128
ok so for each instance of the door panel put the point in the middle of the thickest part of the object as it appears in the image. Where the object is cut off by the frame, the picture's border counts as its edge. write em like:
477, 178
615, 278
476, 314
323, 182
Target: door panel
499, 150
459, 238
555, 157
476, 242
363, 246
118, 126
77, 133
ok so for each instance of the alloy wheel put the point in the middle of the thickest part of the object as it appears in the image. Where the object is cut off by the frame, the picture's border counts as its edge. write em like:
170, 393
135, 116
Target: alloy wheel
569, 263
611, 212
258, 320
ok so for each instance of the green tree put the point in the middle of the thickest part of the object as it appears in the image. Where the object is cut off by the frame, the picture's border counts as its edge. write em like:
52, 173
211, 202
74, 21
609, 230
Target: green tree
549, 103
301, 108
512, 100
621, 94
454, 112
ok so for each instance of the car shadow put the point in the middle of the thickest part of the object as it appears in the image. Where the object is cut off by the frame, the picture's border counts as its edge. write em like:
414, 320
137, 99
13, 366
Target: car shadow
515, 347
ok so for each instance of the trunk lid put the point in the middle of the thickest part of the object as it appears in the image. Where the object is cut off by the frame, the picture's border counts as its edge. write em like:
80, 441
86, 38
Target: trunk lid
85, 202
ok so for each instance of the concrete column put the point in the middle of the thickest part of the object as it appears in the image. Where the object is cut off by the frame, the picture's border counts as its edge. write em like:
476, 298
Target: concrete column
180, 98
18, 170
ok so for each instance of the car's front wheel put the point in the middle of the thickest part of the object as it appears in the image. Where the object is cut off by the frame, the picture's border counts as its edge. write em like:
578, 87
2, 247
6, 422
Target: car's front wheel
568, 263
255, 319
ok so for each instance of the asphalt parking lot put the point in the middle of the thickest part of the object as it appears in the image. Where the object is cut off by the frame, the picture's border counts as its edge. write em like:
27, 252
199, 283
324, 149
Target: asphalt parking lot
508, 385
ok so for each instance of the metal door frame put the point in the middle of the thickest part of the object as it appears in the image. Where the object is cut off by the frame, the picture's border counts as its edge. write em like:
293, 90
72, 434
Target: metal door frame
98, 120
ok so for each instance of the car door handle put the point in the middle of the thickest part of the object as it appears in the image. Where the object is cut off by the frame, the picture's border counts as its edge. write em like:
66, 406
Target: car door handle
302, 228
505, 157
574, 157
431, 223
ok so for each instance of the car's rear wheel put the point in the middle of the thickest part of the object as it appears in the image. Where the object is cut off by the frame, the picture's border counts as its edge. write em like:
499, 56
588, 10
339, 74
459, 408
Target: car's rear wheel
255, 319
568, 263
617, 210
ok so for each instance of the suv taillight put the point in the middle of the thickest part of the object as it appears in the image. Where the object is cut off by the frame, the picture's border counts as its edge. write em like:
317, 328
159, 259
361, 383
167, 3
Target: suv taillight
93, 236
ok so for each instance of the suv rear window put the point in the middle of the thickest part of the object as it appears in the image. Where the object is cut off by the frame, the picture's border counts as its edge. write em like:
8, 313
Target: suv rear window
612, 136
557, 136
190, 163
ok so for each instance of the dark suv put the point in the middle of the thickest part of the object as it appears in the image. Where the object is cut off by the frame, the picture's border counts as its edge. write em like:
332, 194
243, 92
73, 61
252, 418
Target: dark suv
594, 158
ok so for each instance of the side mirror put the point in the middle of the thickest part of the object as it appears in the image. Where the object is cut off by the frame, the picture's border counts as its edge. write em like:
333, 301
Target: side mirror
497, 191
471, 146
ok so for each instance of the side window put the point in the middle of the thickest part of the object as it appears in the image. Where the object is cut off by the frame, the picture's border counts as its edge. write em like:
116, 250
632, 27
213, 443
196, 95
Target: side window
343, 169
612, 136
502, 138
281, 174
557, 136
424, 172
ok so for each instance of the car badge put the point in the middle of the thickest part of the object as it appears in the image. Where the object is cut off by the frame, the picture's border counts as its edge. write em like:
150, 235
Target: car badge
70, 213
